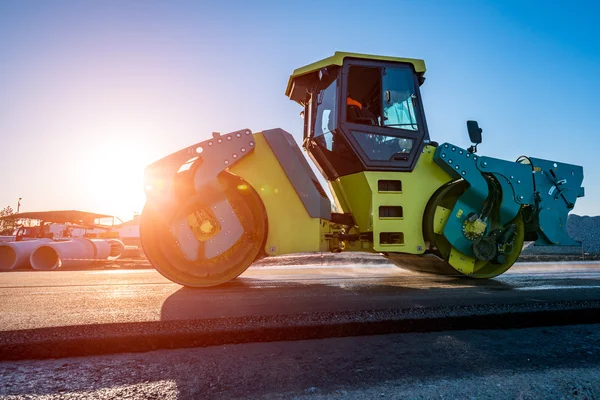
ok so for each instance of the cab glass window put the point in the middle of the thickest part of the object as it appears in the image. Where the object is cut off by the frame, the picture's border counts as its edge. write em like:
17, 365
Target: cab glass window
384, 147
399, 97
384, 97
325, 118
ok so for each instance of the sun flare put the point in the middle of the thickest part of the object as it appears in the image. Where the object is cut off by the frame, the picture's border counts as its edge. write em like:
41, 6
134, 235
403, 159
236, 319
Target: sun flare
113, 181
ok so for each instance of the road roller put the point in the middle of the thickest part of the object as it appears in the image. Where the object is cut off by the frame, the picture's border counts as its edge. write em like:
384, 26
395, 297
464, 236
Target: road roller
217, 206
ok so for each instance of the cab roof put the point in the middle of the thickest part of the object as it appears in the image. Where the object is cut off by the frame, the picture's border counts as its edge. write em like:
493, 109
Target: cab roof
338, 59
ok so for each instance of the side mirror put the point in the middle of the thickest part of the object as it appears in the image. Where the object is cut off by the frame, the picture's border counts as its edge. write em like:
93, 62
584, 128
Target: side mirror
474, 132
474, 135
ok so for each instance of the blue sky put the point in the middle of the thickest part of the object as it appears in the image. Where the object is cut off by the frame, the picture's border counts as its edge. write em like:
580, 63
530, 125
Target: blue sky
92, 92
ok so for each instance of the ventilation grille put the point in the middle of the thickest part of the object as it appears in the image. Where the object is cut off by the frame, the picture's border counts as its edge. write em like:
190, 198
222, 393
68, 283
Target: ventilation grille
390, 212
389, 186
391, 238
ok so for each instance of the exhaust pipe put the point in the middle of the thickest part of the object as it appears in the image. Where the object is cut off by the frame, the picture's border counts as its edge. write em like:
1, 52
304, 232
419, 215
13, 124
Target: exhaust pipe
16, 254
74, 253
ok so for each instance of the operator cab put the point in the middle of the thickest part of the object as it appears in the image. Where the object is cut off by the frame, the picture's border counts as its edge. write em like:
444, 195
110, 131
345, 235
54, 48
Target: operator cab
361, 113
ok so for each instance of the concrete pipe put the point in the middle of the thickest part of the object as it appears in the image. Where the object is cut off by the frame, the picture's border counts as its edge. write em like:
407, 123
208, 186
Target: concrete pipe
101, 249
71, 253
108, 249
17, 254
74, 253
117, 248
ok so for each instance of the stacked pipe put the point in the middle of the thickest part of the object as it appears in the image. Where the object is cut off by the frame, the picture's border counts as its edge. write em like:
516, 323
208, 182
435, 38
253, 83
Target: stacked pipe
46, 254
16, 254
74, 253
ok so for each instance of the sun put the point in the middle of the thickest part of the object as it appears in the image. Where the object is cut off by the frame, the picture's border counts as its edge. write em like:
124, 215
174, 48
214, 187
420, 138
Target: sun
113, 179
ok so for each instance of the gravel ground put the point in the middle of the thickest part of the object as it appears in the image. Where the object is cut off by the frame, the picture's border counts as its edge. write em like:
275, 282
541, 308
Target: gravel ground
587, 230
542, 363
581, 228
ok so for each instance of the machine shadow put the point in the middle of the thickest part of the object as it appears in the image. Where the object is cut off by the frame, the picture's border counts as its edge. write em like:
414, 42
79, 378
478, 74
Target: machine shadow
247, 296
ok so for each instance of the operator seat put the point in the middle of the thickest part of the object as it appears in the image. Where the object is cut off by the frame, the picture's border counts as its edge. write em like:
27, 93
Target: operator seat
358, 114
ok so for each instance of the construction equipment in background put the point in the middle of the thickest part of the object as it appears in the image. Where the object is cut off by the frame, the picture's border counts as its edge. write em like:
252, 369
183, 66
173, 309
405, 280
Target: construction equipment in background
61, 224
63, 239
215, 207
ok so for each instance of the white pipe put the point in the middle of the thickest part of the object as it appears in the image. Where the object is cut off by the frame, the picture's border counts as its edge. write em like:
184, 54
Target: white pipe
117, 248
74, 253
16, 254
102, 249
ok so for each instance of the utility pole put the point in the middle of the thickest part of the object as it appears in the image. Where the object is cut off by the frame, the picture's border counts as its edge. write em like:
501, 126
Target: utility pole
19, 204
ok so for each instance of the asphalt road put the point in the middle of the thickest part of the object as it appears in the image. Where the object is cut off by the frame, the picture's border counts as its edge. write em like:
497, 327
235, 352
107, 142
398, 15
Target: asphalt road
62, 298
539, 363
76, 308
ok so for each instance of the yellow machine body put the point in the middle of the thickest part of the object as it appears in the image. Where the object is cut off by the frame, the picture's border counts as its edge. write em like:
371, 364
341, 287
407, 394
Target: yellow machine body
290, 228
360, 195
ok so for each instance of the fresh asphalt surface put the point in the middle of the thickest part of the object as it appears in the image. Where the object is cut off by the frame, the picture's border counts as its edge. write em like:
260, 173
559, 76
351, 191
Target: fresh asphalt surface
69, 313
30, 300
533, 363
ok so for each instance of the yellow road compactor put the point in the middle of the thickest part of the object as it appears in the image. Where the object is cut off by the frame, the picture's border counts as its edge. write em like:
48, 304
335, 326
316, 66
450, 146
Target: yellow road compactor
215, 207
